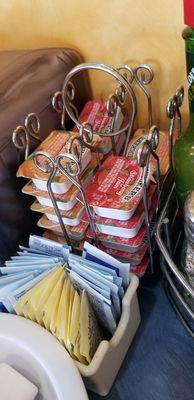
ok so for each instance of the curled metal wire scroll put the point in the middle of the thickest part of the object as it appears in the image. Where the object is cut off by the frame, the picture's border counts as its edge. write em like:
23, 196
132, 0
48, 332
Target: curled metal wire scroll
153, 142
74, 178
20, 139
116, 102
140, 74
173, 106
111, 71
173, 112
58, 104
22, 133
85, 139
69, 166
147, 149
48, 165
32, 125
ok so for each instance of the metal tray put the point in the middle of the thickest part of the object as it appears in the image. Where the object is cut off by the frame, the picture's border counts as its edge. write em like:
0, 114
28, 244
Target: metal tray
169, 237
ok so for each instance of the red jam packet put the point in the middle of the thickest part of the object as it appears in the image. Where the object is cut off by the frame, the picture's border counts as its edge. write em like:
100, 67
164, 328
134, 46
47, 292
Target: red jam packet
65, 201
77, 245
54, 144
130, 245
124, 256
95, 113
74, 232
71, 217
162, 150
140, 269
127, 228
116, 188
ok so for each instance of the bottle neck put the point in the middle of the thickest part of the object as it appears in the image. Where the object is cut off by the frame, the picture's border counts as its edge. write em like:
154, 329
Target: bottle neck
191, 119
188, 36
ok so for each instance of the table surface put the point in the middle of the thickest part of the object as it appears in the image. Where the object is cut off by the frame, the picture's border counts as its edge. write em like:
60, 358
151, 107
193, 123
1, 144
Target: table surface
160, 362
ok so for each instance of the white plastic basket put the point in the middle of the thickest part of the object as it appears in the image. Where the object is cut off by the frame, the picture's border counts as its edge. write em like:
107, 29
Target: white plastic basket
99, 376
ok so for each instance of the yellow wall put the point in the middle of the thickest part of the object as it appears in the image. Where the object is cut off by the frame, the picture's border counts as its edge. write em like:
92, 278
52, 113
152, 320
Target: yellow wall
109, 31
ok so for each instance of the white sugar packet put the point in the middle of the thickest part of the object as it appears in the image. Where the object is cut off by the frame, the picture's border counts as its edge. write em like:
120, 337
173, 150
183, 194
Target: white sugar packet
100, 281
101, 306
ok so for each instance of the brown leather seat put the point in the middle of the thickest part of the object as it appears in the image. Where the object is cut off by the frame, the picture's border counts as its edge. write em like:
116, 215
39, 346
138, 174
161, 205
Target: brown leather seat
28, 80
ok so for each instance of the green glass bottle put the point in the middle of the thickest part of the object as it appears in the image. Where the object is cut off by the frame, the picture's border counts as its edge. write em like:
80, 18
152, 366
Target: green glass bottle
183, 155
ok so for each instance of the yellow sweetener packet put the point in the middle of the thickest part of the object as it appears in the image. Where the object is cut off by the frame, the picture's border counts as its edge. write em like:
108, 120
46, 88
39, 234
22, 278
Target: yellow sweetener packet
71, 299
74, 333
24, 306
63, 315
90, 336
46, 292
51, 306
60, 313
38, 290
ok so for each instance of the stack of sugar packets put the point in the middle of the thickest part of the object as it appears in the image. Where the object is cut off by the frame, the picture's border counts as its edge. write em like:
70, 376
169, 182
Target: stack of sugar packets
65, 192
76, 298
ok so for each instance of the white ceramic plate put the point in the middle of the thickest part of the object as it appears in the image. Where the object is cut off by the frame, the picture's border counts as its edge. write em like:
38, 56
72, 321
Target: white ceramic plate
37, 355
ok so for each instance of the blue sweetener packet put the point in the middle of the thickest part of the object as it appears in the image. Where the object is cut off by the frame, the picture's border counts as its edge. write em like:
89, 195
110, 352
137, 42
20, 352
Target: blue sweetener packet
9, 288
20, 261
49, 246
25, 268
92, 253
6, 279
15, 295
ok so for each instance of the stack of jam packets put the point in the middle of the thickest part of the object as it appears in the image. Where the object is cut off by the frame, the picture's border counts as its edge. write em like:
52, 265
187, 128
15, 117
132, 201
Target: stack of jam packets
115, 195
63, 189
65, 192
